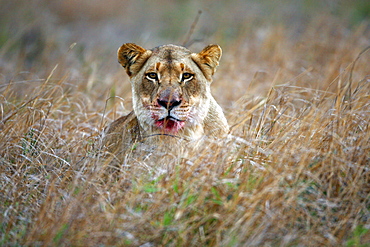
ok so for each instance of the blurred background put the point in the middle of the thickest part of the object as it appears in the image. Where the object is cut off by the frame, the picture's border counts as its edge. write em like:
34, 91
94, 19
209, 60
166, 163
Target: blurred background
289, 85
82, 37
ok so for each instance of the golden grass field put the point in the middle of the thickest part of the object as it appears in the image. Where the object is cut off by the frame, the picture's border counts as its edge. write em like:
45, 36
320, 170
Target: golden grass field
294, 83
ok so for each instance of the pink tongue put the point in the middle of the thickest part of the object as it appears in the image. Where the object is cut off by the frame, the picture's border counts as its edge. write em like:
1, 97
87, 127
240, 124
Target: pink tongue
170, 125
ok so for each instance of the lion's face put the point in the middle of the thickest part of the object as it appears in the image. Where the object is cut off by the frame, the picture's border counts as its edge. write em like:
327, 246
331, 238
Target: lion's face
170, 85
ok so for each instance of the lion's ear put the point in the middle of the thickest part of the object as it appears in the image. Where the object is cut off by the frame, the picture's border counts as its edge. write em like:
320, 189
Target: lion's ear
132, 57
208, 60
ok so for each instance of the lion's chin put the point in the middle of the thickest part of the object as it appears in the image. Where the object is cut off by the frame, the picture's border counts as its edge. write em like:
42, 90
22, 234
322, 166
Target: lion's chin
169, 125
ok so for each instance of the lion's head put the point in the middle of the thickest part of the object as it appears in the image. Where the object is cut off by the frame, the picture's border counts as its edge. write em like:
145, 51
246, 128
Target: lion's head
171, 86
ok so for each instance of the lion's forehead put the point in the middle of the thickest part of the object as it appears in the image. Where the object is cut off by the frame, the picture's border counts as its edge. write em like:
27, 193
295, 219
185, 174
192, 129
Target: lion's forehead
175, 68
171, 61
170, 57
170, 52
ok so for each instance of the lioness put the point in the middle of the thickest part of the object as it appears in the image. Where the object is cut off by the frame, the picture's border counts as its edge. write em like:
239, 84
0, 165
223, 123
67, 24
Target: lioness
171, 97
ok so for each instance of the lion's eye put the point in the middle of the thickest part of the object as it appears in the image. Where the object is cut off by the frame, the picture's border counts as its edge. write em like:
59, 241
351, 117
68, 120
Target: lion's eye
186, 77
152, 76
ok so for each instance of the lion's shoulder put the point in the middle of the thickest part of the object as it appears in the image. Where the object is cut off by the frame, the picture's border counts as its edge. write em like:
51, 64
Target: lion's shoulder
127, 121
124, 131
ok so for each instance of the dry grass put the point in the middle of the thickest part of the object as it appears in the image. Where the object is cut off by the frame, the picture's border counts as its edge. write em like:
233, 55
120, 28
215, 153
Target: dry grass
294, 172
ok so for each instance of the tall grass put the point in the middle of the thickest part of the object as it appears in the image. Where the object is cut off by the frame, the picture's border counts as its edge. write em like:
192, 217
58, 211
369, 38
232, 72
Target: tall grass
294, 170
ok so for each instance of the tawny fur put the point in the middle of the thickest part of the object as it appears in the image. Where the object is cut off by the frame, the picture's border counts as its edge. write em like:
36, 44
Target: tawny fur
161, 77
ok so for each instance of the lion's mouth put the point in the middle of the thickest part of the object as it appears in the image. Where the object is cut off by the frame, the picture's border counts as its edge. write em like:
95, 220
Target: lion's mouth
170, 124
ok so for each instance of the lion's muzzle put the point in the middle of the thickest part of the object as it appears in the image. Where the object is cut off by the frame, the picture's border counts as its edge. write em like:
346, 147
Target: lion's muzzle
169, 112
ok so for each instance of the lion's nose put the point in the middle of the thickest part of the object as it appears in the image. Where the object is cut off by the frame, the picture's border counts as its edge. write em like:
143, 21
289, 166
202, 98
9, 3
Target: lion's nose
169, 104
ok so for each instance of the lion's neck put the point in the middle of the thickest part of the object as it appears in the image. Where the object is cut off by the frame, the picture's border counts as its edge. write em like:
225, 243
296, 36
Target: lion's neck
215, 123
